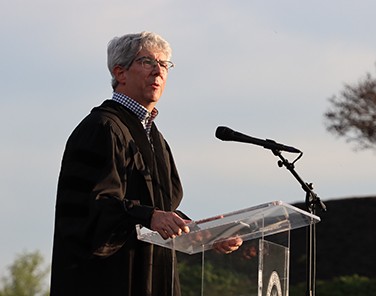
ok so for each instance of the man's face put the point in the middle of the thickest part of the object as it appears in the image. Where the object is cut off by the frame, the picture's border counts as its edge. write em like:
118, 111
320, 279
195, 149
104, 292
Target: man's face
145, 85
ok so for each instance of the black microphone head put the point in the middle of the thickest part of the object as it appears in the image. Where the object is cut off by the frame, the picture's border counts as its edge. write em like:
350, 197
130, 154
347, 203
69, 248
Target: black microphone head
224, 133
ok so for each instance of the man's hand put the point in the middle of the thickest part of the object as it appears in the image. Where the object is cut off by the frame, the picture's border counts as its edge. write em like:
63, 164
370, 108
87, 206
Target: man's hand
228, 246
168, 224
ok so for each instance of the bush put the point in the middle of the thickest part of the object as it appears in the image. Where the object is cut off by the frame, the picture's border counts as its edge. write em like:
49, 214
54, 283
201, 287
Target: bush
354, 285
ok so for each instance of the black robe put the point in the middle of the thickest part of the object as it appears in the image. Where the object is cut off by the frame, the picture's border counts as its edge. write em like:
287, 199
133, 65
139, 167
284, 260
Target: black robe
111, 179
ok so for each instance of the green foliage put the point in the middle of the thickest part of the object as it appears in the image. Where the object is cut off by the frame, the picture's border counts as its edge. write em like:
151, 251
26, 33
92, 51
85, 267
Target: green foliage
26, 276
217, 281
221, 281
354, 285
190, 279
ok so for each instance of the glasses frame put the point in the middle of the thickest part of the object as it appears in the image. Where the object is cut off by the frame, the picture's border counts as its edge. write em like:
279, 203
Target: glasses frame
149, 63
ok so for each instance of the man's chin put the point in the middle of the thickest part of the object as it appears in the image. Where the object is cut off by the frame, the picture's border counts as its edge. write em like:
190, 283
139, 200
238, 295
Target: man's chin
154, 97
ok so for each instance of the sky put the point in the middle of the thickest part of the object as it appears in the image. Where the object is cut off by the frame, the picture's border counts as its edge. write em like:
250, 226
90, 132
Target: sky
263, 68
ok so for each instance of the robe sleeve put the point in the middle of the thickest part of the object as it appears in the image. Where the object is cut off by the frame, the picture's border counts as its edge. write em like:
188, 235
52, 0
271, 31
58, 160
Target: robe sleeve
92, 215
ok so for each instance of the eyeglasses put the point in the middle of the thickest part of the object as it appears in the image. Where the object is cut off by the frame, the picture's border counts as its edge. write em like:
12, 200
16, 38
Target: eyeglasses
150, 63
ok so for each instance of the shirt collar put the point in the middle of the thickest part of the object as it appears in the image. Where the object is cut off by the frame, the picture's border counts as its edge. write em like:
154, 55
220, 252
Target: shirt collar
141, 112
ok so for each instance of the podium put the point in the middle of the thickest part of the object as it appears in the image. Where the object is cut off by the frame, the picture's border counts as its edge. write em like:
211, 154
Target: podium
260, 267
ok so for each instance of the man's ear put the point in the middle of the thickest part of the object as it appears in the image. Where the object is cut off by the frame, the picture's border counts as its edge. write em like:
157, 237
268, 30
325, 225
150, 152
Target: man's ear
119, 73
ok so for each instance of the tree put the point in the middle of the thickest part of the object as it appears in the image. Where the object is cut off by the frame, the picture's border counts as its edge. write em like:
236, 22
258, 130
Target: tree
353, 113
26, 276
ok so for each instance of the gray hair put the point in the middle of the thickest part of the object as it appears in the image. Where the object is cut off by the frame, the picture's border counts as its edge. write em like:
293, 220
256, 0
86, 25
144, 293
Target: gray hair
123, 50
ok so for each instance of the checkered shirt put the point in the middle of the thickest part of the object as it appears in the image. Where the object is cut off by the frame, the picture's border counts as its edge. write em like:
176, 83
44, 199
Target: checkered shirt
142, 113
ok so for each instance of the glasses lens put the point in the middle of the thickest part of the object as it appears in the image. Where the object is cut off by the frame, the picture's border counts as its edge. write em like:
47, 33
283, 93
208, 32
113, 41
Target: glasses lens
166, 64
149, 63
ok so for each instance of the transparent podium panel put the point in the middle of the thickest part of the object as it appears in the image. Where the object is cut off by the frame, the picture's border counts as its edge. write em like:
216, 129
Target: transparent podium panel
273, 269
251, 223
214, 274
259, 267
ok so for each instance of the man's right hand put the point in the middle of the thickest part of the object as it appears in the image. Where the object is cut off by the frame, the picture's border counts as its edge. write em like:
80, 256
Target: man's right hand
168, 224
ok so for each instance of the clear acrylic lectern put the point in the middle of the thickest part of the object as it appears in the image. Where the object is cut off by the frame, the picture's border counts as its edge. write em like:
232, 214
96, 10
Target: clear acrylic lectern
260, 267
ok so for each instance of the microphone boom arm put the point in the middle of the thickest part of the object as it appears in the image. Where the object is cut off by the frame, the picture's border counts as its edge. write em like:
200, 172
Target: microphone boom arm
311, 197
311, 201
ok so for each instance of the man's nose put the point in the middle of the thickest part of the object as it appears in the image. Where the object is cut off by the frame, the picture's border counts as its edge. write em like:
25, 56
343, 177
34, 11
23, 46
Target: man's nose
158, 69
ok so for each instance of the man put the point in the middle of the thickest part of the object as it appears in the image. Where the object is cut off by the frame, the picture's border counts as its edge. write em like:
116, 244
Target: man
118, 171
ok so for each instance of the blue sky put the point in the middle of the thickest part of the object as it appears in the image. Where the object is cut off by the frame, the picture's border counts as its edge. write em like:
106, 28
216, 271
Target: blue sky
264, 68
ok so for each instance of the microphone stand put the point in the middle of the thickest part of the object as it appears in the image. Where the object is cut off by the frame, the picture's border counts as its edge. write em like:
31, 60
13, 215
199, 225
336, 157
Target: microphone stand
312, 201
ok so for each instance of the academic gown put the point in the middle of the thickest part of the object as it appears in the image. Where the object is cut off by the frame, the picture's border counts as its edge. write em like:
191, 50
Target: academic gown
112, 178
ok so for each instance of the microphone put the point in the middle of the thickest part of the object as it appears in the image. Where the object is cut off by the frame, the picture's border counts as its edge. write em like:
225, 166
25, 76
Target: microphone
226, 134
